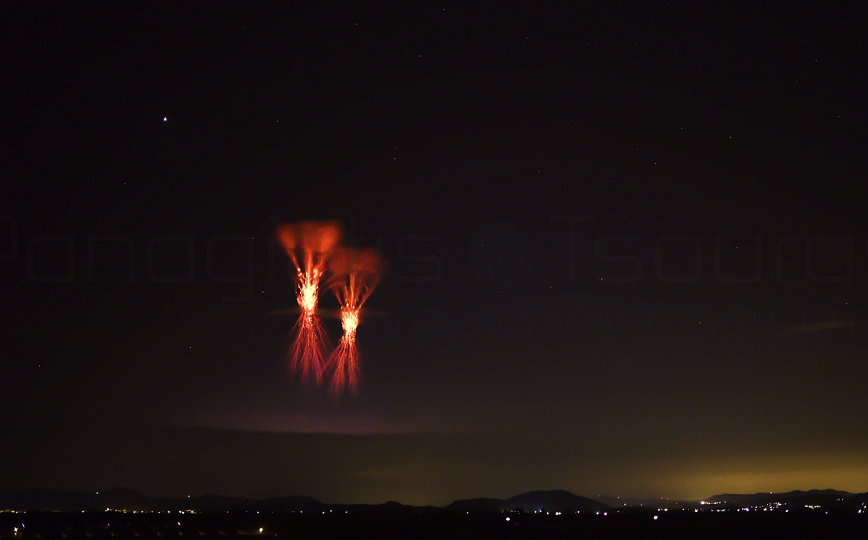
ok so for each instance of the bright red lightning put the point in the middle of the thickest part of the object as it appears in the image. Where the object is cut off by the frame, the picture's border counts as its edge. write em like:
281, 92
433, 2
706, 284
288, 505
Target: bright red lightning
308, 246
357, 273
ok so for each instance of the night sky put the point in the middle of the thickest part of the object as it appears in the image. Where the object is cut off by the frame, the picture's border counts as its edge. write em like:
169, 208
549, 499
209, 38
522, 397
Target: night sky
626, 248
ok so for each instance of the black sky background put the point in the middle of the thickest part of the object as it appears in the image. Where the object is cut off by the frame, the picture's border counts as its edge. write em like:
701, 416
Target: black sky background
429, 132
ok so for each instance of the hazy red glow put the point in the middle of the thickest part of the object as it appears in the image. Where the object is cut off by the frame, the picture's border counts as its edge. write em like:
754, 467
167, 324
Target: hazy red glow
356, 274
308, 246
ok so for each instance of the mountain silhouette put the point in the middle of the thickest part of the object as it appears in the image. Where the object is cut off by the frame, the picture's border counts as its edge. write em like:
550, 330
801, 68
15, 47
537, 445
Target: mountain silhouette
533, 501
556, 500
822, 497
128, 499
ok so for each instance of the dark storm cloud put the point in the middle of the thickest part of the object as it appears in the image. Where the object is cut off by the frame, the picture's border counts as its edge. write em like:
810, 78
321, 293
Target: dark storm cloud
427, 468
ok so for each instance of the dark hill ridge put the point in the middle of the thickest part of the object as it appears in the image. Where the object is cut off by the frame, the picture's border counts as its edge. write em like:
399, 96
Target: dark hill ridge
552, 501
827, 499
127, 499
556, 500
814, 496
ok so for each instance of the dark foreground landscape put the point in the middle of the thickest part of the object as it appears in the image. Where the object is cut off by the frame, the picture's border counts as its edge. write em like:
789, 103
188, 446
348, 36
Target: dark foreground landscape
826, 514
433, 525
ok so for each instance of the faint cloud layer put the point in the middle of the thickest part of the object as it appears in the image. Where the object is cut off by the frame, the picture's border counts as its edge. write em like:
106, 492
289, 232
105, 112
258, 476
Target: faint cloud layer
821, 326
